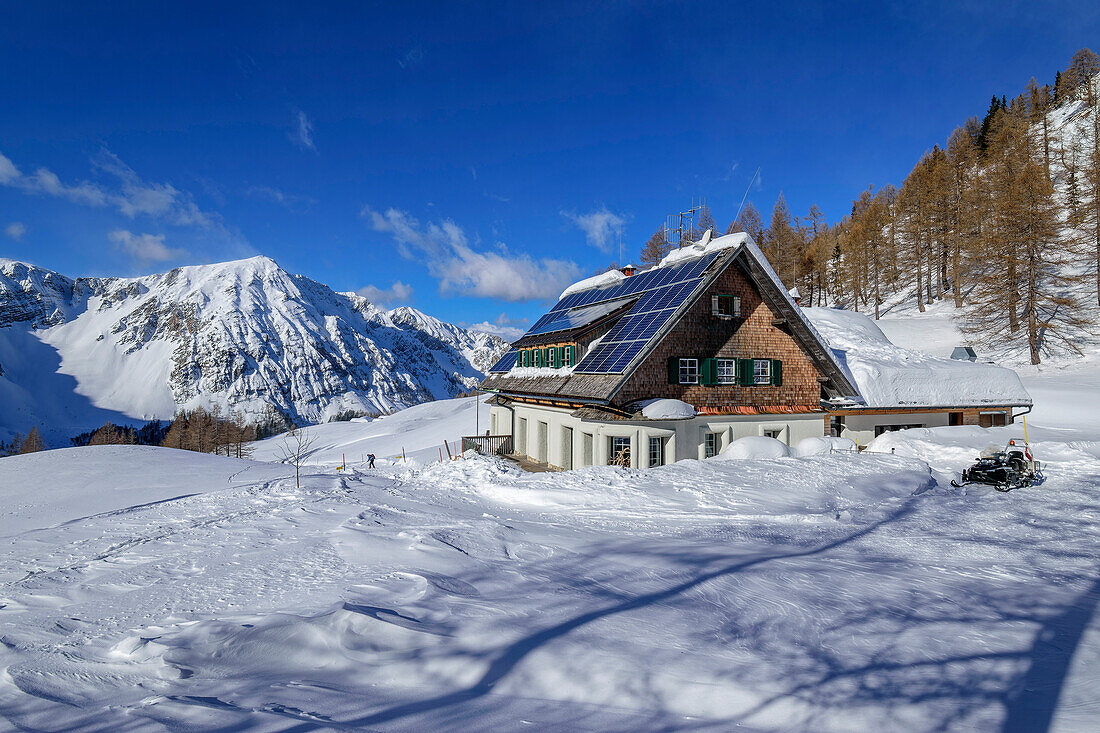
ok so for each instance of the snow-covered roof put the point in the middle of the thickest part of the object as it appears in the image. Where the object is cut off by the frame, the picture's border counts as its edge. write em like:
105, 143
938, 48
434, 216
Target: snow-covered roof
890, 376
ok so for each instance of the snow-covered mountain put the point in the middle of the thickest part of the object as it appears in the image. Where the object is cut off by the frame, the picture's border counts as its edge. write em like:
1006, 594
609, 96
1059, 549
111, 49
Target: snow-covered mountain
242, 335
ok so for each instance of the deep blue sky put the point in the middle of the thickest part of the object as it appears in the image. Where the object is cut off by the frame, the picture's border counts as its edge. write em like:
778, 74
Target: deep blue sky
474, 154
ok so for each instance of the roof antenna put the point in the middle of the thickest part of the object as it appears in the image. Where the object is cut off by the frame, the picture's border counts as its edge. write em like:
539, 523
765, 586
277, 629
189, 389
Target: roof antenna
754, 175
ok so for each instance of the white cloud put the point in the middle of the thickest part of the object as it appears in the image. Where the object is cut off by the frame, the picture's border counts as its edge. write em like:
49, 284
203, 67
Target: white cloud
130, 195
397, 294
507, 328
600, 227
144, 247
463, 270
303, 133
16, 230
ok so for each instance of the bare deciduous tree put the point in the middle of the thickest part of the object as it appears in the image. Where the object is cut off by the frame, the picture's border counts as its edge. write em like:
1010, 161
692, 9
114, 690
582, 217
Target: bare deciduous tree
294, 450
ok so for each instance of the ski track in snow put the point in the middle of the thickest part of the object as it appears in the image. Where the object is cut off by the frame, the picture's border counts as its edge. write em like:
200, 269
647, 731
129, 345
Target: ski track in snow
836, 592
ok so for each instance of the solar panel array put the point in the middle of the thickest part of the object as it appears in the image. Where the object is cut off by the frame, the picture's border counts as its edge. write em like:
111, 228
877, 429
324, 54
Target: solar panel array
659, 292
563, 320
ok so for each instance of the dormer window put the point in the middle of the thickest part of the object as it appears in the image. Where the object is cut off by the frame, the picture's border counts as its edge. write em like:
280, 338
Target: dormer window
725, 306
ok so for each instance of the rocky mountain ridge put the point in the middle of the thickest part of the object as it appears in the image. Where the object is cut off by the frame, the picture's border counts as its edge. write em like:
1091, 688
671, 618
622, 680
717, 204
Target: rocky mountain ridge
245, 335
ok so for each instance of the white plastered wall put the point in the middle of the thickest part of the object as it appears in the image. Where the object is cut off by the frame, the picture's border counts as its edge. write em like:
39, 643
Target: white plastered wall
683, 439
861, 428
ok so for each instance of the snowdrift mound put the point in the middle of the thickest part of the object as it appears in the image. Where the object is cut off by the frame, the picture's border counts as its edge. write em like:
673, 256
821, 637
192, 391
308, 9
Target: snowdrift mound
890, 376
826, 444
754, 447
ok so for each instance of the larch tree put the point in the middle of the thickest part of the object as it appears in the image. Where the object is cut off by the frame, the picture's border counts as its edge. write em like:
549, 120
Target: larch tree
33, 442
656, 248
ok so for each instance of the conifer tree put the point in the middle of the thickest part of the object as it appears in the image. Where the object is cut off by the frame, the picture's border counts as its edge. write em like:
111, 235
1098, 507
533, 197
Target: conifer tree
33, 442
656, 248
780, 242
750, 222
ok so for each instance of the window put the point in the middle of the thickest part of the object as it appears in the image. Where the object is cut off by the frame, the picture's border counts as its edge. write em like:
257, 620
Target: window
725, 306
725, 371
618, 453
711, 443
553, 360
761, 371
775, 433
836, 425
992, 419
880, 429
656, 452
689, 371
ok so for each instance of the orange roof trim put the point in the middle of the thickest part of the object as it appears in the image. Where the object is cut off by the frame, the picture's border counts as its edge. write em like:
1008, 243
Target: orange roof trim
770, 410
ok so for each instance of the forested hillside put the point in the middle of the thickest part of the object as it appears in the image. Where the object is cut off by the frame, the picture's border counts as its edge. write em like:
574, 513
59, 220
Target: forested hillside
1001, 220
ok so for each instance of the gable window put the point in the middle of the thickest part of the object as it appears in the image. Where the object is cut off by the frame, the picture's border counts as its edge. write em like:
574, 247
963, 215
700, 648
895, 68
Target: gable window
689, 371
725, 371
761, 371
725, 306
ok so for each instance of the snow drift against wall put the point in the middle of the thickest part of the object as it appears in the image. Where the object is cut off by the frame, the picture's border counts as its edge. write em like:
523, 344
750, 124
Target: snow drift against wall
890, 376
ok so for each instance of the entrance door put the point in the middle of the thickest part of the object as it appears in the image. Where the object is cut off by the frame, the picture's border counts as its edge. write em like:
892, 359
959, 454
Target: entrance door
567, 448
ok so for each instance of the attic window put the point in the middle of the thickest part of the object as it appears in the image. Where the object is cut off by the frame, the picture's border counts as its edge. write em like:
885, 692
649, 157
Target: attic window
725, 306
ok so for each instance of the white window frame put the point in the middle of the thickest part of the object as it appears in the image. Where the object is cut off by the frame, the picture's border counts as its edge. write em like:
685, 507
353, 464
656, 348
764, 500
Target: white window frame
656, 450
712, 444
689, 367
722, 378
612, 453
761, 378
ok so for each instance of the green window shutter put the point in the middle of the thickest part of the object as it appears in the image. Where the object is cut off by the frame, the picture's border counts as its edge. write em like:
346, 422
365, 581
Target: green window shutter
572, 355
777, 372
706, 369
673, 370
744, 372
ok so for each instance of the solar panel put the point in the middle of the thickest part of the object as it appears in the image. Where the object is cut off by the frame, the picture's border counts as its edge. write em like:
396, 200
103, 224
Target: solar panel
659, 292
563, 320
505, 362
663, 291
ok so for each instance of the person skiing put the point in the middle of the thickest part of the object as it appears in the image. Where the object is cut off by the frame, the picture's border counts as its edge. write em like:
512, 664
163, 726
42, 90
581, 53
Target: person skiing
370, 460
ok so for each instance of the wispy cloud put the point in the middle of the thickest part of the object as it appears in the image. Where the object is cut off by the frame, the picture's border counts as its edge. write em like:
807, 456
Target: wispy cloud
291, 201
412, 57
463, 270
600, 226
125, 191
397, 294
302, 135
145, 248
16, 230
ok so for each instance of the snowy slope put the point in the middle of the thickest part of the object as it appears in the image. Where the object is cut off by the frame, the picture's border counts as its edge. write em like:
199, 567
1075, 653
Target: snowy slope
832, 593
240, 334
418, 433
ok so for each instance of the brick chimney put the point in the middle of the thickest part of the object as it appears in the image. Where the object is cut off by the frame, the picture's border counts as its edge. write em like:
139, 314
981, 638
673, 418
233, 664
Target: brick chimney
628, 270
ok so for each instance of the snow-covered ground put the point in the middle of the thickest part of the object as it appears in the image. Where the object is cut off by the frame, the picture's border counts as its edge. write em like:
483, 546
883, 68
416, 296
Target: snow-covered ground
151, 589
